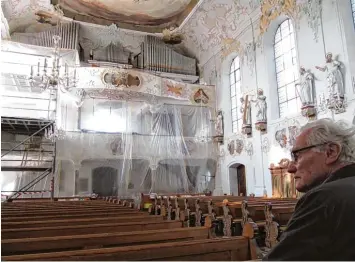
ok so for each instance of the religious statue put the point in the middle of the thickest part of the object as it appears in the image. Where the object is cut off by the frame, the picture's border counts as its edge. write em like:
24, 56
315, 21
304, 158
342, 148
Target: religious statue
306, 87
91, 54
335, 84
261, 115
245, 109
219, 124
335, 80
306, 93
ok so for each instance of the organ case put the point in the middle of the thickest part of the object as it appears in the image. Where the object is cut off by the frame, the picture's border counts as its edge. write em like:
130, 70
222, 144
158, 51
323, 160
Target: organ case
157, 56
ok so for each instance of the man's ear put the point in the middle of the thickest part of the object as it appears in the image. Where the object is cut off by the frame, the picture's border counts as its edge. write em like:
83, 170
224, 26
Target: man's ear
333, 152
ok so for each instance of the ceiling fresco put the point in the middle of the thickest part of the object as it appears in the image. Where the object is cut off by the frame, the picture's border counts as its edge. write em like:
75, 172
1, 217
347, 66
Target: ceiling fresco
217, 25
215, 21
141, 15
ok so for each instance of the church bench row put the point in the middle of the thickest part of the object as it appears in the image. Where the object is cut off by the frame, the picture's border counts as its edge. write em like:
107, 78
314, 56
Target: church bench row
104, 205
233, 215
81, 221
36, 204
72, 242
231, 249
73, 215
84, 229
72, 211
47, 199
192, 205
219, 256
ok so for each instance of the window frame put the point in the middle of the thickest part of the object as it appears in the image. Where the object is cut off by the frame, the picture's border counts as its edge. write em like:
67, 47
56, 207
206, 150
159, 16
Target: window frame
286, 69
235, 92
352, 3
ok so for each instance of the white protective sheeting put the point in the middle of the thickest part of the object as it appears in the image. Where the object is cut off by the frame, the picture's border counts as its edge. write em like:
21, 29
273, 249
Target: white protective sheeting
160, 148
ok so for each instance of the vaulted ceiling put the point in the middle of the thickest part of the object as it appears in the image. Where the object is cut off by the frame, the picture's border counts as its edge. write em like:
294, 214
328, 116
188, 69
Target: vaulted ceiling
141, 15
150, 16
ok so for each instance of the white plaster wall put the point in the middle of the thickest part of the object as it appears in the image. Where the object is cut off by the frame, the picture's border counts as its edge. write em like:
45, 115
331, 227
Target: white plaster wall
336, 35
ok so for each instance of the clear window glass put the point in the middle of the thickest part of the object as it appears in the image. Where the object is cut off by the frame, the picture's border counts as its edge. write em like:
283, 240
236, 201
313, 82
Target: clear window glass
286, 69
235, 84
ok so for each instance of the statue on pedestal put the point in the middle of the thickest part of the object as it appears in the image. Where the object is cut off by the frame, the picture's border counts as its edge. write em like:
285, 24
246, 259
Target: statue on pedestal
261, 115
219, 124
245, 109
306, 92
335, 80
334, 83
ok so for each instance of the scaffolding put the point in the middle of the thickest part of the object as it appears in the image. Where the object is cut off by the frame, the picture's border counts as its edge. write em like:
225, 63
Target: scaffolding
32, 155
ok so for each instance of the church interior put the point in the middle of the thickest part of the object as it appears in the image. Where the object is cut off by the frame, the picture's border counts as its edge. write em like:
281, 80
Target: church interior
174, 117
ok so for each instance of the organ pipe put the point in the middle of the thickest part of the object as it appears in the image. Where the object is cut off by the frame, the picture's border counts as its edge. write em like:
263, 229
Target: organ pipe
157, 56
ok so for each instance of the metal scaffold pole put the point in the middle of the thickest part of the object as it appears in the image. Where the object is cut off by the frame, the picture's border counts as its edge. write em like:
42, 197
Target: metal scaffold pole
53, 171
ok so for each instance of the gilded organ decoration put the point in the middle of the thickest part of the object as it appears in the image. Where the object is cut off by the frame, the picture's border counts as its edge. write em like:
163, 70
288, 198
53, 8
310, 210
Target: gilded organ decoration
114, 82
174, 89
120, 79
201, 97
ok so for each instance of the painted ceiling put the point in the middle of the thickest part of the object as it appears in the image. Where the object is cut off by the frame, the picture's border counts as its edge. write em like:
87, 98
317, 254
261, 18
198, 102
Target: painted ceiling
150, 16
140, 15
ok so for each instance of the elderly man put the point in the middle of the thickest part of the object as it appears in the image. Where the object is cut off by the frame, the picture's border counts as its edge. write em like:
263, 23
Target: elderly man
323, 224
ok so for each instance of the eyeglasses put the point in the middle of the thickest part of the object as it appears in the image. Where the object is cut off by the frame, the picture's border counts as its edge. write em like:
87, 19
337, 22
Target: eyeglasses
295, 154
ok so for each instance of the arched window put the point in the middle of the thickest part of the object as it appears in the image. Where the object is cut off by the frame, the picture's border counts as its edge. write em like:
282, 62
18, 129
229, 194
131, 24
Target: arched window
353, 8
235, 82
287, 71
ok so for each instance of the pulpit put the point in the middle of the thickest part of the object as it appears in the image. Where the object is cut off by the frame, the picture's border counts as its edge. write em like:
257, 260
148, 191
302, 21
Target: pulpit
283, 183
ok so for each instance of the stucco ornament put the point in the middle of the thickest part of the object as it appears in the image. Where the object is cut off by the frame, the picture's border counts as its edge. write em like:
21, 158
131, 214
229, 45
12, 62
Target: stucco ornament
313, 11
272, 9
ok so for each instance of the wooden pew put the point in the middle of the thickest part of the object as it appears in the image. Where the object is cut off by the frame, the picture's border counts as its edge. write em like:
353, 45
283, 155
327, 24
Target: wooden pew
230, 215
57, 243
231, 249
269, 219
84, 229
87, 214
81, 221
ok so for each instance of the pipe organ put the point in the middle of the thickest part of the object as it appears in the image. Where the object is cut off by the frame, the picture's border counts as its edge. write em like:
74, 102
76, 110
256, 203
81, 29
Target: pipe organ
157, 56
68, 32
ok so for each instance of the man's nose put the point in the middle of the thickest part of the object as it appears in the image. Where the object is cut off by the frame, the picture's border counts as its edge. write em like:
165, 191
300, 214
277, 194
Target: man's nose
292, 168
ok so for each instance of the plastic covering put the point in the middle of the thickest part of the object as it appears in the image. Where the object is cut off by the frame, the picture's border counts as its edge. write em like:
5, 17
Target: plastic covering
119, 147
157, 148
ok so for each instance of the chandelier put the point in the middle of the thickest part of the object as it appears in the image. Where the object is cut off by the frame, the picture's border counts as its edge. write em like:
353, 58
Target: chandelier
48, 80
53, 134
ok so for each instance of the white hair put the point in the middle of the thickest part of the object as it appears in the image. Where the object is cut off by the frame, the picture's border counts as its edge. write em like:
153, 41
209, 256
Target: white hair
327, 130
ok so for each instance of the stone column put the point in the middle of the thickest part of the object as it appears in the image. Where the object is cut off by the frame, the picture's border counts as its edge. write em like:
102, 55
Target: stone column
218, 191
77, 166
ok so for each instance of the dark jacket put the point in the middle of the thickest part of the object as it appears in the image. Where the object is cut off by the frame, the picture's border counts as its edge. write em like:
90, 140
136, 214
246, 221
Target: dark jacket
323, 224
